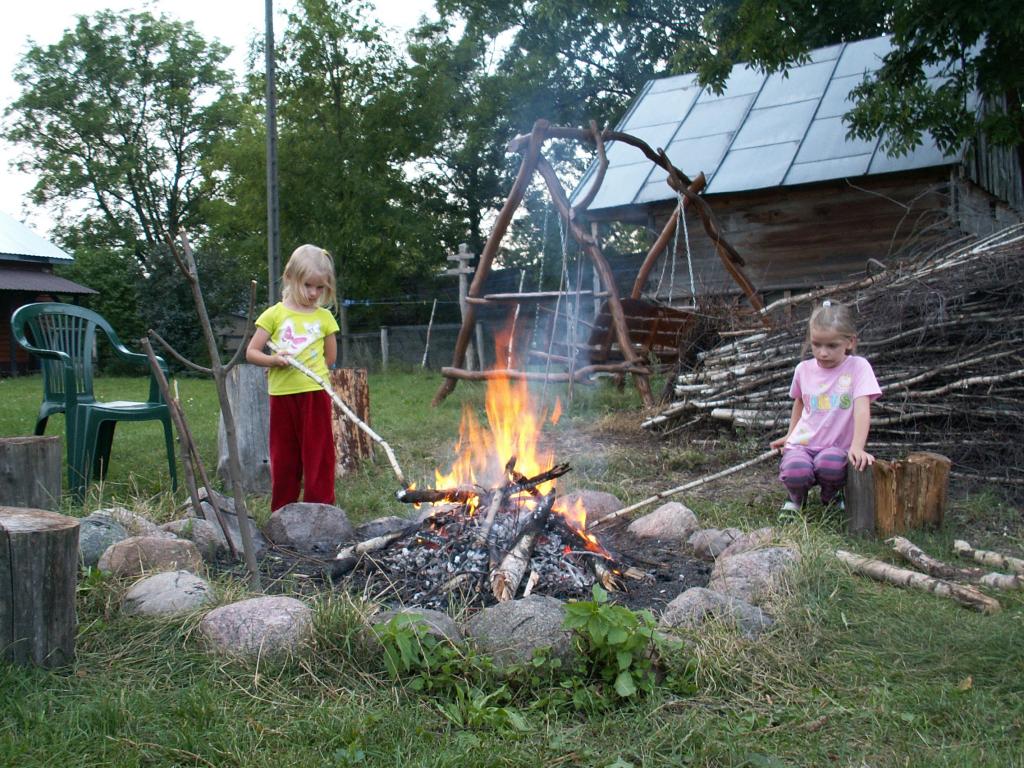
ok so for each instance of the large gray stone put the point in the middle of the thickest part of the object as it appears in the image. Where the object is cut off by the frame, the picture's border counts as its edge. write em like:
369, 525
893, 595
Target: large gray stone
757, 539
597, 503
259, 542
95, 534
167, 594
435, 623
259, 626
310, 527
697, 605
752, 576
709, 543
135, 524
669, 522
207, 536
147, 554
382, 526
512, 632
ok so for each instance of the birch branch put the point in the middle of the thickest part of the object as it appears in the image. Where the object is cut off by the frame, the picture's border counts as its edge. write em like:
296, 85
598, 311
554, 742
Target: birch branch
942, 570
986, 557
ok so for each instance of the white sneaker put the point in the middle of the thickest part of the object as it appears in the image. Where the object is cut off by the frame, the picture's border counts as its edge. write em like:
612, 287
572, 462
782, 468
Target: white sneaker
790, 506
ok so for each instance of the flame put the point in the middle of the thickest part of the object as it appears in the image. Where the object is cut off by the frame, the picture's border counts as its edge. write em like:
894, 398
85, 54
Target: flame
575, 516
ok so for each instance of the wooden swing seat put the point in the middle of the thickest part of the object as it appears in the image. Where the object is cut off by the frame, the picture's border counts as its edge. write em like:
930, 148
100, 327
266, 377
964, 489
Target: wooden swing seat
653, 329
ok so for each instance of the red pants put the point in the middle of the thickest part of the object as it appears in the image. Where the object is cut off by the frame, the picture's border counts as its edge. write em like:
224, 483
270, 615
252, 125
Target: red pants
301, 448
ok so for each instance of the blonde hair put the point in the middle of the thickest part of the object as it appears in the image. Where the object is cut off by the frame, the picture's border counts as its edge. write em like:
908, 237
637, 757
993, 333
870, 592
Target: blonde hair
309, 260
835, 317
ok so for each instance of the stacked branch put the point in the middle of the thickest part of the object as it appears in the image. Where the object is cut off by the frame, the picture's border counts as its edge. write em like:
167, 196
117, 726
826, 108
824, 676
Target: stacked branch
944, 334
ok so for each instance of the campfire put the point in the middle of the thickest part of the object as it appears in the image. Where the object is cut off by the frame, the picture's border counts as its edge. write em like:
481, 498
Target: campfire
493, 527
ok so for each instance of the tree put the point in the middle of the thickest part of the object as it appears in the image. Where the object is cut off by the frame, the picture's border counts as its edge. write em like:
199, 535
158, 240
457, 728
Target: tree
119, 114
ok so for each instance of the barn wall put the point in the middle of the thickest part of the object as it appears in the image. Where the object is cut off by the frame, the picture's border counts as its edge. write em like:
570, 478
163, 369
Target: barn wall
801, 237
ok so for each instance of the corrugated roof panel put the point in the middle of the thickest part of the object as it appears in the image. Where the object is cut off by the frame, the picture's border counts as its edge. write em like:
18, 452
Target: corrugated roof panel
742, 80
674, 83
753, 168
658, 136
692, 156
17, 240
775, 125
835, 101
837, 168
711, 117
806, 82
826, 140
828, 53
658, 108
925, 156
656, 188
863, 56
621, 184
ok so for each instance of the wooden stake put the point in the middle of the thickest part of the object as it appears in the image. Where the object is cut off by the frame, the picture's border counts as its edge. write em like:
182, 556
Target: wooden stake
901, 577
688, 486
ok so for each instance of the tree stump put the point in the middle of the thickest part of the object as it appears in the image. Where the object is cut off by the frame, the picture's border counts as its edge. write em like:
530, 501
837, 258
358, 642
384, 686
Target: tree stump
250, 405
892, 497
30, 471
38, 568
352, 444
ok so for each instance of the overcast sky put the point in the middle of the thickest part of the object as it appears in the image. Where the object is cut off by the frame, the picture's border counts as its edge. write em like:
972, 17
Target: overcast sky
234, 23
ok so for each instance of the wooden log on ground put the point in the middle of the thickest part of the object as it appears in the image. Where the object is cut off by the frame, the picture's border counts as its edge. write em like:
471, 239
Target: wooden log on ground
38, 571
30, 471
901, 577
250, 405
352, 445
986, 557
942, 570
898, 496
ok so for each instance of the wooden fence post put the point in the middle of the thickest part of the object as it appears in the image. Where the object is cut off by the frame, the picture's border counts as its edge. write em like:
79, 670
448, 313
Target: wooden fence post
38, 572
30, 471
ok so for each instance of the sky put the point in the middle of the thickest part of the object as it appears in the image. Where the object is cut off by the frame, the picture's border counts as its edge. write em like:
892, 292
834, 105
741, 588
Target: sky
233, 23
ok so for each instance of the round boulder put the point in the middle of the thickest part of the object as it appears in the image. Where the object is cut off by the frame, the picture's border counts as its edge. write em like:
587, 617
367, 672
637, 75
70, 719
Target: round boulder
259, 626
711, 542
669, 522
310, 527
698, 605
382, 526
135, 524
95, 534
435, 623
512, 632
752, 576
746, 542
140, 554
206, 535
167, 594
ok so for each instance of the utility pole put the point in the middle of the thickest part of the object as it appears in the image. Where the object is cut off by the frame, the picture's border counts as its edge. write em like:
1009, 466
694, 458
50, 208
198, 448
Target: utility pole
273, 209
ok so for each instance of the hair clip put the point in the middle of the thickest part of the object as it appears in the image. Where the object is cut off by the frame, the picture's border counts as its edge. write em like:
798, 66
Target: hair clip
826, 303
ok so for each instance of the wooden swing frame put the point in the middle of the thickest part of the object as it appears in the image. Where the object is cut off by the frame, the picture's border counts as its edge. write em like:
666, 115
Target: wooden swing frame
533, 161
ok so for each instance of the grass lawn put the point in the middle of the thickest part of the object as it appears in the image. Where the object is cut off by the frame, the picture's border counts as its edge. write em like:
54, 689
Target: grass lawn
853, 674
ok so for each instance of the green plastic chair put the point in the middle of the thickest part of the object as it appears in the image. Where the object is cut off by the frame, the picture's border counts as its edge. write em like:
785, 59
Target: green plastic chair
63, 337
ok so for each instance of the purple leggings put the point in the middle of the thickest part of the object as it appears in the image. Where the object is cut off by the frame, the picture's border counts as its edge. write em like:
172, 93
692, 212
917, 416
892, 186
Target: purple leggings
802, 467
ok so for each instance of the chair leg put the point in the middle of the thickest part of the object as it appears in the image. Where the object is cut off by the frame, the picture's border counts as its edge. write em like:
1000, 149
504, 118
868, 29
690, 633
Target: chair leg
101, 448
41, 425
169, 440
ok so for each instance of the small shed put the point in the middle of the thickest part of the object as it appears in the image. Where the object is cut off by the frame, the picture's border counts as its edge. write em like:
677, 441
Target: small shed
803, 204
26, 275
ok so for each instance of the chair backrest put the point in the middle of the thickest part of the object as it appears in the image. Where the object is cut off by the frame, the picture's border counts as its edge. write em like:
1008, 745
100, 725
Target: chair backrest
67, 329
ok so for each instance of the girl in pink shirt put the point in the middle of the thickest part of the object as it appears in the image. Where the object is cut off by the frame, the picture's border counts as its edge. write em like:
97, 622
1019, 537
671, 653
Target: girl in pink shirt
832, 394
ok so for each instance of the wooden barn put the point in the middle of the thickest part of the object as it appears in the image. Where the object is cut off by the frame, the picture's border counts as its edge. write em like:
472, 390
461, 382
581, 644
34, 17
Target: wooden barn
803, 204
26, 275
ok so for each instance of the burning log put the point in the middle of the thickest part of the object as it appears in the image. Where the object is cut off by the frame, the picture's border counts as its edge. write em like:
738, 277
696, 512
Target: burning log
506, 576
436, 496
347, 558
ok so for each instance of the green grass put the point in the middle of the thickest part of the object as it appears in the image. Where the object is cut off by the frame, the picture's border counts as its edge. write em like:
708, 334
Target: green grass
854, 674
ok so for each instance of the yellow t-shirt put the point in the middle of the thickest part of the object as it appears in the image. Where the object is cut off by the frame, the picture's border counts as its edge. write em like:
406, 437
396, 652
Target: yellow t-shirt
294, 331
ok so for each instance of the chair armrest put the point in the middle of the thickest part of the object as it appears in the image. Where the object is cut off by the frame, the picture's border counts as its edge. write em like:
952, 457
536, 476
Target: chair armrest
48, 354
126, 354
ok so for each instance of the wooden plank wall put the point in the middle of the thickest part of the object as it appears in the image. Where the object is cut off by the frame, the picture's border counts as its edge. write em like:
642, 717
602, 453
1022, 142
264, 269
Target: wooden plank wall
801, 237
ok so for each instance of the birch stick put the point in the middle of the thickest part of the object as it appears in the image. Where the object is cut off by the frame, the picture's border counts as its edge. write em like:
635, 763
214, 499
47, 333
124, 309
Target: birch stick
942, 570
901, 577
679, 489
349, 413
505, 579
986, 557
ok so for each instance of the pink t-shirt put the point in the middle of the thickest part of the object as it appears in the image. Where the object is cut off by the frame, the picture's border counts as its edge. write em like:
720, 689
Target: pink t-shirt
828, 395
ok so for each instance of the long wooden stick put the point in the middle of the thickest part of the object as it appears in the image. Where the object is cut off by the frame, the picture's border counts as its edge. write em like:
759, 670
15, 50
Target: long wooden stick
693, 484
901, 577
984, 556
349, 413
942, 570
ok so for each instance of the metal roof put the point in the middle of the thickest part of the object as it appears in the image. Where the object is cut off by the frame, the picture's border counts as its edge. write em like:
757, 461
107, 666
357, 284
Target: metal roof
19, 243
761, 131
32, 281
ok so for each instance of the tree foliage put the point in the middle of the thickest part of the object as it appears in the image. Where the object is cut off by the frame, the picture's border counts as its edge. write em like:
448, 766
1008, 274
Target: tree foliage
118, 115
